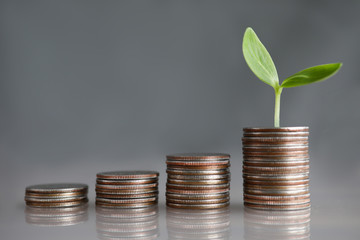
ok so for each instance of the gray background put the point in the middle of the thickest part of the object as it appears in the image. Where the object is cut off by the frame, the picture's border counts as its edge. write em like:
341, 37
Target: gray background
88, 86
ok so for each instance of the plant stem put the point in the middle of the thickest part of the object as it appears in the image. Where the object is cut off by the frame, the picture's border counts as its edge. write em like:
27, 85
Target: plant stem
278, 91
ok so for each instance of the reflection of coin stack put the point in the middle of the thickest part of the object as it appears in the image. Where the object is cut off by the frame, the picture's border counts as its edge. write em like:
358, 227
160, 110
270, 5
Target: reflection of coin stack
198, 224
276, 168
56, 195
198, 181
130, 224
277, 224
56, 217
127, 189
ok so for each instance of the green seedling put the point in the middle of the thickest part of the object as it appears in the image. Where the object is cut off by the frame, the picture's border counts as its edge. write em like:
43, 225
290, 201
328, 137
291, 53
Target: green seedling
260, 62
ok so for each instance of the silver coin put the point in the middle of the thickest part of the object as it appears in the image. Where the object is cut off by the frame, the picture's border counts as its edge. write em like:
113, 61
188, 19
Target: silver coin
276, 169
275, 164
285, 148
198, 156
272, 177
126, 201
269, 192
303, 145
118, 187
127, 196
275, 187
56, 195
198, 196
54, 200
126, 191
127, 181
199, 177
198, 182
275, 158
57, 188
197, 163
56, 204
277, 129
197, 172
197, 187
127, 174
196, 192
299, 154
275, 139
277, 183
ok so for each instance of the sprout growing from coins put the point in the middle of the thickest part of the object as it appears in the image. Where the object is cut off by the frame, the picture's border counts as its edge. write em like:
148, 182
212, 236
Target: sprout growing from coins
260, 62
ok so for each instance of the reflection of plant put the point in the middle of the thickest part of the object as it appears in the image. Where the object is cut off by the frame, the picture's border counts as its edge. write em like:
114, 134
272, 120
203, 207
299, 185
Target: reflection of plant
260, 62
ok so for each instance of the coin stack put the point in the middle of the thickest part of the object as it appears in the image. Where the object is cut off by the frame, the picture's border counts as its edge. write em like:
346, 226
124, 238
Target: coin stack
56, 195
276, 168
198, 181
127, 189
198, 224
275, 225
129, 224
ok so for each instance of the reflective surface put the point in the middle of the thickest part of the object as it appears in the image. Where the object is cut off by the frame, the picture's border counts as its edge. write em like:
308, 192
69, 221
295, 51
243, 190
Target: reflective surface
333, 215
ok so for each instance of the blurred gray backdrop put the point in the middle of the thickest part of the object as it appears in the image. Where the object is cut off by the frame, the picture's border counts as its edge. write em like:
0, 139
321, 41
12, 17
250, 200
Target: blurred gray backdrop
89, 86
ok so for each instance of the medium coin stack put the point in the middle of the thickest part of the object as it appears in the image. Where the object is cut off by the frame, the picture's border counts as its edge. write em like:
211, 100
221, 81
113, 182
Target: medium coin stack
198, 180
127, 189
129, 224
56, 195
276, 168
198, 224
275, 225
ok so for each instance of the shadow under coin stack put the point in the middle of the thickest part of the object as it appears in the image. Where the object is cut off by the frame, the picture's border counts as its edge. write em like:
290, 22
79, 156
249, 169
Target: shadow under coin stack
276, 168
56, 195
127, 189
198, 181
129, 224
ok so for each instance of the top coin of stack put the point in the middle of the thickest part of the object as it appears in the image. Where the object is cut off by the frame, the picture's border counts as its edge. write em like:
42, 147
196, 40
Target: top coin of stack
276, 168
56, 195
198, 180
127, 189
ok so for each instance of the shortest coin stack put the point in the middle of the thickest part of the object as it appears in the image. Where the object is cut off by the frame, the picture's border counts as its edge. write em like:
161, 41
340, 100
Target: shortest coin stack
127, 189
56, 195
198, 180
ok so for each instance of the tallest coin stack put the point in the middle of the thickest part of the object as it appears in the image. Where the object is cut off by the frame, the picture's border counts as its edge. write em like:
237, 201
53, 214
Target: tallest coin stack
276, 168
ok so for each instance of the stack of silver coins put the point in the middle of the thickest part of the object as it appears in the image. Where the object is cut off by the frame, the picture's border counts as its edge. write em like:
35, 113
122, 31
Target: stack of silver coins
127, 189
276, 168
129, 224
198, 180
198, 224
56, 195
56, 217
275, 225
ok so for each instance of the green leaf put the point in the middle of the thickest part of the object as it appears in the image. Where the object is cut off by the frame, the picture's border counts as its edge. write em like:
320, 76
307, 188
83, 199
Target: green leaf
258, 59
311, 75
